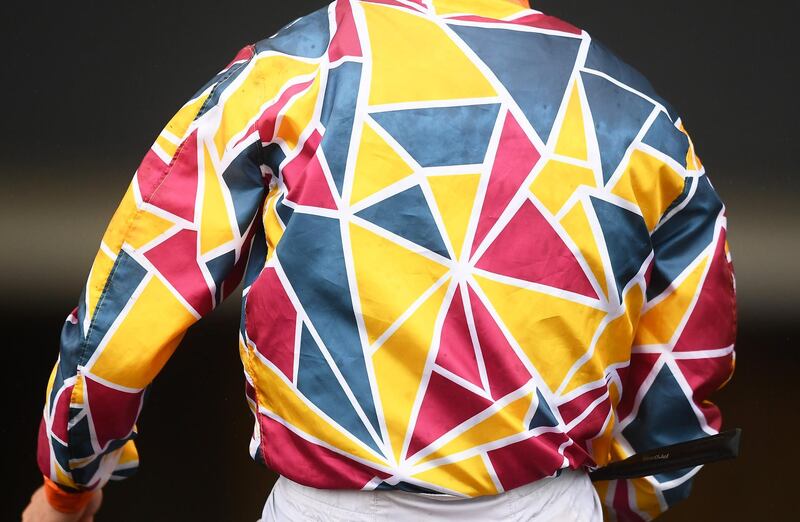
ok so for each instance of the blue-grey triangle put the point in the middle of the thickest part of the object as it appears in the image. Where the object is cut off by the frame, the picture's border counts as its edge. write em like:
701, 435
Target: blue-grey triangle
408, 215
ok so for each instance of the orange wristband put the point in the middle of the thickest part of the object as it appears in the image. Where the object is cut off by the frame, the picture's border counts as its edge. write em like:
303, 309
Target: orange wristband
63, 501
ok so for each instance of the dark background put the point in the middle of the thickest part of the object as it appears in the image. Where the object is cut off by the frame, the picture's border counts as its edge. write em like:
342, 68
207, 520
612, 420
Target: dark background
88, 85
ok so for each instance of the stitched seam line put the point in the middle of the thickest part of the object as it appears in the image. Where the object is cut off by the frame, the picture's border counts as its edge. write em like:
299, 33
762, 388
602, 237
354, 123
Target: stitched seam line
129, 226
248, 362
146, 199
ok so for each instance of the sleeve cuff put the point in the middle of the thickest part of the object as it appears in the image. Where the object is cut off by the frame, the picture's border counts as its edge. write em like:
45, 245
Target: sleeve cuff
63, 501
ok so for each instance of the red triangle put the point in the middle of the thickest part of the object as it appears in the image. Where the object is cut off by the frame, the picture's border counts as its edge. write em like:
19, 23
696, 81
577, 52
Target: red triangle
712, 324
60, 414
539, 21
345, 41
504, 369
578, 456
177, 190
113, 411
176, 259
245, 53
639, 369
516, 157
456, 352
712, 414
305, 462
528, 460
272, 321
529, 248
445, 406
150, 173
43, 447
706, 375
395, 3
304, 178
543, 21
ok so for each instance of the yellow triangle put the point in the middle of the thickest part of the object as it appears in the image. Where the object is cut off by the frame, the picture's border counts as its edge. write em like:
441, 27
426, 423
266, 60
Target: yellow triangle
504, 423
692, 161
144, 340
117, 229
261, 80
658, 324
77, 391
129, 453
130, 225
487, 8
572, 138
553, 332
614, 344
650, 184
215, 229
389, 278
179, 123
557, 181
455, 197
377, 166
133, 226
145, 228
577, 226
398, 73
468, 477
399, 366
296, 119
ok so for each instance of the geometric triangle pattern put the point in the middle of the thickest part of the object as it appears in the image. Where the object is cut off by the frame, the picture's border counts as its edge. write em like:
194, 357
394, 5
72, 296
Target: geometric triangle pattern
627, 240
407, 215
456, 351
514, 159
419, 132
537, 78
526, 245
377, 166
618, 115
505, 370
177, 243
450, 193
478, 249
317, 381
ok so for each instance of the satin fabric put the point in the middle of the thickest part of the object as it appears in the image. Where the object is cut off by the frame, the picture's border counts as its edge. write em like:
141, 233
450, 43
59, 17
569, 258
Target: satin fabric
476, 248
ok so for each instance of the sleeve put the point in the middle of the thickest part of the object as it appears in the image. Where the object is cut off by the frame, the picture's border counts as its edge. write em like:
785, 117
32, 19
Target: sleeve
176, 246
683, 348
